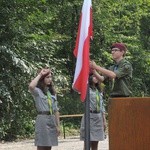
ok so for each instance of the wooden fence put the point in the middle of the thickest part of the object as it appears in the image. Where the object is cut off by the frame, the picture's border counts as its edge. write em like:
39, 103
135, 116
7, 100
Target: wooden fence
62, 119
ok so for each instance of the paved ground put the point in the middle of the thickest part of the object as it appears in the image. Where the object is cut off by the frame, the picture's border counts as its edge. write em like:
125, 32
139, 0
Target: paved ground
64, 144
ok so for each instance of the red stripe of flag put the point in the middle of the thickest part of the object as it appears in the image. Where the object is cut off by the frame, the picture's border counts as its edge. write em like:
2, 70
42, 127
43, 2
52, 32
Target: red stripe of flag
81, 50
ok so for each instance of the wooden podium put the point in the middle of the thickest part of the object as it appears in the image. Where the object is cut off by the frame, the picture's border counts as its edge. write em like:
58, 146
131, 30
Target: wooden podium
129, 123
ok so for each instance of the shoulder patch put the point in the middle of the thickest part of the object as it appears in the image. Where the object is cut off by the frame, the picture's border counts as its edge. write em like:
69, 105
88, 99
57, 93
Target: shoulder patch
127, 66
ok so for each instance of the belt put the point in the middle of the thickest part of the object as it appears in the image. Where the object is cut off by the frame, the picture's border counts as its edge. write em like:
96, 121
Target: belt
94, 111
44, 112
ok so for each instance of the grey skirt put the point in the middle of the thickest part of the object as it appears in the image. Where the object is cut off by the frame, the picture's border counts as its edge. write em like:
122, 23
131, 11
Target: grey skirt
96, 127
45, 131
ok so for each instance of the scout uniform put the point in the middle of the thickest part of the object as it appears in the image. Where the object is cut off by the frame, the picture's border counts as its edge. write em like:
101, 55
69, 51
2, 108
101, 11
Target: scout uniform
45, 127
96, 118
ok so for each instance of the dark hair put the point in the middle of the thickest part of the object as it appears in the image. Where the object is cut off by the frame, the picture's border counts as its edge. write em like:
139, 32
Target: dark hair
52, 89
41, 86
91, 83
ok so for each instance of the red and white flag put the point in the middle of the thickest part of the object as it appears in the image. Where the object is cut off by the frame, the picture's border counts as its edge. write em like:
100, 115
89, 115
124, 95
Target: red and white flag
81, 50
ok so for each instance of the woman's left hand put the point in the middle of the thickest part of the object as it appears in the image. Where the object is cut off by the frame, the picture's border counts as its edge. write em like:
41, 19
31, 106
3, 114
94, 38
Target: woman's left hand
58, 130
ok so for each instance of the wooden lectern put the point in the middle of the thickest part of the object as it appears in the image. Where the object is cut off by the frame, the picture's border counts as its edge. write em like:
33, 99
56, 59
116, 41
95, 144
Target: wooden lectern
129, 123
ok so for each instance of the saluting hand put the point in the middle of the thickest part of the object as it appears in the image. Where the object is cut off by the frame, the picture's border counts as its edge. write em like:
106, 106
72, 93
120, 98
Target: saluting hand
44, 72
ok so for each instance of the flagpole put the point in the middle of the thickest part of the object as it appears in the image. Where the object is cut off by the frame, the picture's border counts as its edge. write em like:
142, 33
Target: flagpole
81, 52
87, 120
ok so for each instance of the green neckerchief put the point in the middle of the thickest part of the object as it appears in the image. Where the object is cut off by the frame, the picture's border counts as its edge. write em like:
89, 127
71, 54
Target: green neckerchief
113, 83
97, 101
50, 102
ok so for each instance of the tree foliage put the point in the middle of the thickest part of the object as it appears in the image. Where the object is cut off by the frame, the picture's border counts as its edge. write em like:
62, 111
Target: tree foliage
34, 34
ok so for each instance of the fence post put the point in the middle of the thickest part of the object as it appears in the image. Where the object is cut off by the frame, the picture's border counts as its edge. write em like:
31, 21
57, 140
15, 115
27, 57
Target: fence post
64, 132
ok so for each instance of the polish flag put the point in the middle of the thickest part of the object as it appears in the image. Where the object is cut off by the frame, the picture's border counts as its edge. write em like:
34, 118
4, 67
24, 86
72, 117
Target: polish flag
81, 50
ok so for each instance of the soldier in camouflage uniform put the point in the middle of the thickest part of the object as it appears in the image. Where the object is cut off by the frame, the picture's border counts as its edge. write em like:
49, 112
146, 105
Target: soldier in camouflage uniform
120, 72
